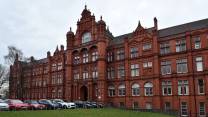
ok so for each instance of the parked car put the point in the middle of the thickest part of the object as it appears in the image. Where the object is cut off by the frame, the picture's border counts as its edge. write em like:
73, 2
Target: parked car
65, 104
88, 105
58, 105
79, 104
71, 105
34, 105
15, 104
48, 104
3, 105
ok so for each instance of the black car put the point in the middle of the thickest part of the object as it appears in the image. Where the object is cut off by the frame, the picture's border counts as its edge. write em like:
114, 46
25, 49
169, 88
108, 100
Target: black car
79, 104
48, 104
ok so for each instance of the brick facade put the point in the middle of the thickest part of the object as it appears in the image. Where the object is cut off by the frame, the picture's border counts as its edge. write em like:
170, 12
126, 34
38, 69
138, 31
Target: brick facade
122, 71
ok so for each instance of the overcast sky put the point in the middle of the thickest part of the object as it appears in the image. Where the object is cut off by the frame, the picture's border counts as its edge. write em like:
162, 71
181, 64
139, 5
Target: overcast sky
38, 26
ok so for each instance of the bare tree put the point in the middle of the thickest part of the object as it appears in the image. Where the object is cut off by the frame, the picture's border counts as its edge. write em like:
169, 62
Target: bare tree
2, 74
10, 57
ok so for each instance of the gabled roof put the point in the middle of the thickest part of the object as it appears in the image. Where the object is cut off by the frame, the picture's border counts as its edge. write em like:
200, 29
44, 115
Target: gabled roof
200, 24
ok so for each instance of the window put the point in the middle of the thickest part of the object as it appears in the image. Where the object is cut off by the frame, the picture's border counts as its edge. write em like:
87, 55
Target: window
199, 64
86, 37
111, 91
121, 90
120, 54
94, 56
165, 67
135, 89
147, 46
59, 93
53, 93
181, 45
184, 109
76, 60
148, 89
121, 71
135, 105
183, 88
54, 67
60, 66
76, 74
167, 106
110, 56
94, 72
197, 43
85, 74
110, 73
134, 52
202, 109
134, 70
148, 105
201, 86
182, 66
147, 64
85, 57
164, 48
167, 87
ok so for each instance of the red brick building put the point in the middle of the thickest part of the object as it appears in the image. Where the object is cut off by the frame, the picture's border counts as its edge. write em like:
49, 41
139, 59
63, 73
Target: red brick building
164, 69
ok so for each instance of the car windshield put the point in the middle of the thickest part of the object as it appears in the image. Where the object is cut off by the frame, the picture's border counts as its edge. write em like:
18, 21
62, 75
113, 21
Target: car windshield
34, 102
1, 101
16, 101
58, 100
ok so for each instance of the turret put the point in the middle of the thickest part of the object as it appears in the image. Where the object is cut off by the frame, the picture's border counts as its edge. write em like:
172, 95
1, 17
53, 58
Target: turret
101, 25
70, 38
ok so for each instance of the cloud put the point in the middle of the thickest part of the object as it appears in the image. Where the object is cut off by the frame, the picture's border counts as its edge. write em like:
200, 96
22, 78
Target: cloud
36, 26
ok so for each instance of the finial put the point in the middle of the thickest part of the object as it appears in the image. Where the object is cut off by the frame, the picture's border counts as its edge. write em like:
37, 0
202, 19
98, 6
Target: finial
101, 18
70, 29
85, 6
139, 24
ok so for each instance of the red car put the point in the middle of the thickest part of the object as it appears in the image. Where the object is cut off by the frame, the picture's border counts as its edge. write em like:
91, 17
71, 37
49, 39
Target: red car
17, 104
34, 105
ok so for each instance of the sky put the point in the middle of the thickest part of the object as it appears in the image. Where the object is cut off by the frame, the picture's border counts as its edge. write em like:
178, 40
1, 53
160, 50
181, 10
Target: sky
38, 26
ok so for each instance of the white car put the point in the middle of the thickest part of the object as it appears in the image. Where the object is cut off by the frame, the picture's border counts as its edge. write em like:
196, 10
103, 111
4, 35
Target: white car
3, 105
65, 104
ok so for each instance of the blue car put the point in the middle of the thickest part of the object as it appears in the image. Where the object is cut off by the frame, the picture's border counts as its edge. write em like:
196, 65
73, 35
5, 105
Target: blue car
48, 104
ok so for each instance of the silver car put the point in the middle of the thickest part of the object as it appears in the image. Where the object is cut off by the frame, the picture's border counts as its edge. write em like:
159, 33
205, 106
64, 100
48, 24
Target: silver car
3, 105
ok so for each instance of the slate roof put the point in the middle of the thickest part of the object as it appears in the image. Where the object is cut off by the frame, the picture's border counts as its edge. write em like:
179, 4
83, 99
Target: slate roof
183, 28
200, 24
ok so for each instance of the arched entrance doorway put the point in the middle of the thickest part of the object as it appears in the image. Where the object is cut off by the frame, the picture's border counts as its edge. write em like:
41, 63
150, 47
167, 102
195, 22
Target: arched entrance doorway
84, 93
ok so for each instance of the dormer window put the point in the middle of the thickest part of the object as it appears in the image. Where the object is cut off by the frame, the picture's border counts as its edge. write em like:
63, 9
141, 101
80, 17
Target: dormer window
86, 37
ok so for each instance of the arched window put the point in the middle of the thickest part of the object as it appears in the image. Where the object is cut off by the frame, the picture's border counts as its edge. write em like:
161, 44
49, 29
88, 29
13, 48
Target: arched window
121, 90
111, 91
85, 57
148, 89
135, 89
86, 37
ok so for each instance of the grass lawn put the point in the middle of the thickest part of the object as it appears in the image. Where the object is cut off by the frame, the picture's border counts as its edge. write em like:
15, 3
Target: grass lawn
81, 113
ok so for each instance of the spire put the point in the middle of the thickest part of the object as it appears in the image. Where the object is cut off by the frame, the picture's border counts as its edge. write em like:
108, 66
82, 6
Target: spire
70, 29
57, 49
139, 24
